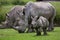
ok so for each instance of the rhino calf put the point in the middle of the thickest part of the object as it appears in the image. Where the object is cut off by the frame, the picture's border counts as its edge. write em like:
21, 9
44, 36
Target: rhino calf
41, 23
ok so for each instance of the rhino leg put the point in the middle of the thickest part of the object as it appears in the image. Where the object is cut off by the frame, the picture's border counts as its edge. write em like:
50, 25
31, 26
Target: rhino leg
19, 31
44, 30
30, 29
38, 31
51, 27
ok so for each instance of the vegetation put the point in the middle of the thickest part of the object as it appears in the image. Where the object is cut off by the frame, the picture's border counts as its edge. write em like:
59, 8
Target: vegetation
57, 6
10, 34
14, 2
3, 11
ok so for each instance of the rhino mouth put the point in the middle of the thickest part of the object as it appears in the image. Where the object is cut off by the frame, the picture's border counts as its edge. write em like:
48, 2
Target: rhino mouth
19, 29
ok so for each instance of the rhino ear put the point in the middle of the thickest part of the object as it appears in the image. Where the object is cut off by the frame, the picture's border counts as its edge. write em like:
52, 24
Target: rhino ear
32, 18
7, 15
24, 11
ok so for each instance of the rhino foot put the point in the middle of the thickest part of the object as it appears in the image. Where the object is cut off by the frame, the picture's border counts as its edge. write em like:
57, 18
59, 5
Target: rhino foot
50, 29
30, 31
19, 31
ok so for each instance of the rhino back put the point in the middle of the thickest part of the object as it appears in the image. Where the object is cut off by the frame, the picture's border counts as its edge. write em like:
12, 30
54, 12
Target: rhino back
41, 9
43, 21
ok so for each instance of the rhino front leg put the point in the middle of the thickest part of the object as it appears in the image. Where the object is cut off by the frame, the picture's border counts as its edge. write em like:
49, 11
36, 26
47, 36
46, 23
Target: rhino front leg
44, 30
30, 29
20, 31
38, 31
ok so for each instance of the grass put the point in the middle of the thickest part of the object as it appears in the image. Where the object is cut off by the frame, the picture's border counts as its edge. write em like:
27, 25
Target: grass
10, 34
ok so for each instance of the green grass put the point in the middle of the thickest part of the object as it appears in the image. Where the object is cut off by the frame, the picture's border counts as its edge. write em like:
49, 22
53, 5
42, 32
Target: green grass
10, 34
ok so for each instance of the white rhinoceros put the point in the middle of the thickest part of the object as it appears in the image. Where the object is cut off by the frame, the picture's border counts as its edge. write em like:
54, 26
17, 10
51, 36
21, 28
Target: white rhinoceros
15, 19
38, 9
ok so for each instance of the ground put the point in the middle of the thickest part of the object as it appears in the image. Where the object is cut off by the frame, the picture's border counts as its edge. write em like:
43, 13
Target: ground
11, 34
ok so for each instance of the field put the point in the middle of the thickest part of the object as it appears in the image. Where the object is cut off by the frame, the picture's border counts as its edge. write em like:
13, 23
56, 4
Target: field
10, 34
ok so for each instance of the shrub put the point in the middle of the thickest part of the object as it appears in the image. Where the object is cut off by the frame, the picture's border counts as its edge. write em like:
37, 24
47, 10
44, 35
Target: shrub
18, 2
57, 7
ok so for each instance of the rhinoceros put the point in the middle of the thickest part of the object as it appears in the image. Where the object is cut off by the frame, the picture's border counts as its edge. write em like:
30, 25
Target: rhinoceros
38, 9
41, 24
15, 19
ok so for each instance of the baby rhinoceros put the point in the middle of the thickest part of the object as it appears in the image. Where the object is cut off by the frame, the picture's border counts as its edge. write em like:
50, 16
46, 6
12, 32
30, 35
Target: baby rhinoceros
41, 24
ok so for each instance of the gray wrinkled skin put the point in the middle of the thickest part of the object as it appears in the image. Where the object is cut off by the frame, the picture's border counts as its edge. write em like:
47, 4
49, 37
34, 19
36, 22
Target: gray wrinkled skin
41, 23
40, 9
15, 19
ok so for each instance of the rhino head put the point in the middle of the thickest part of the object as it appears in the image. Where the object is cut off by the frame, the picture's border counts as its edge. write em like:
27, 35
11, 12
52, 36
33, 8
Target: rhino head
34, 21
16, 22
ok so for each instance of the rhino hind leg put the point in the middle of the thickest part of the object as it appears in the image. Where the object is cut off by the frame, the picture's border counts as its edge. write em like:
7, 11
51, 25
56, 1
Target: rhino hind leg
51, 27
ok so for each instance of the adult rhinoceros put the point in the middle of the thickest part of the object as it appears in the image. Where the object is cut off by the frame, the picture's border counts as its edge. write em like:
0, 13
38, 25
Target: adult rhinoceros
38, 9
15, 19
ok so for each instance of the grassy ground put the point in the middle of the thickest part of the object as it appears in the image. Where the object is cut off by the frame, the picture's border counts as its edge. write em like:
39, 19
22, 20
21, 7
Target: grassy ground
10, 34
